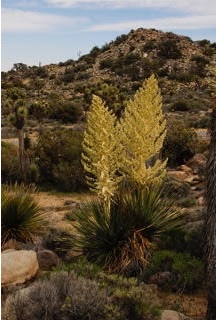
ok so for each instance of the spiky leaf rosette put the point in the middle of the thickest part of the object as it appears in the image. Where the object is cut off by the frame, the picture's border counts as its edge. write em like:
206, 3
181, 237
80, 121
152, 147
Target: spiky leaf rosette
21, 216
100, 150
142, 132
126, 236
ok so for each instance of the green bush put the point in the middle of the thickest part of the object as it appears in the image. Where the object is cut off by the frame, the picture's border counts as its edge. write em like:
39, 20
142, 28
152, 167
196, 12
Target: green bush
120, 39
68, 76
58, 241
106, 63
184, 241
122, 240
150, 45
58, 156
201, 63
94, 52
180, 143
180, 105
187, 272
21, 216
203, 122
10, 165
169, 49
41, 72
33, 173
67, 111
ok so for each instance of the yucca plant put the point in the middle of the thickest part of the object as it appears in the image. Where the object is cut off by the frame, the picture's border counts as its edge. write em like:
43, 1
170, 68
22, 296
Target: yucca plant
126, 235
21, 216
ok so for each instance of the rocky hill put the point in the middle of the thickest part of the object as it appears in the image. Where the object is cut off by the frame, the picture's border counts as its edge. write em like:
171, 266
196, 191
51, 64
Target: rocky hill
116, 70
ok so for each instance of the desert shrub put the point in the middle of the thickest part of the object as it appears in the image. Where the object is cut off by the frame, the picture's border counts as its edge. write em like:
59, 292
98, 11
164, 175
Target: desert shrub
105, 47
120, 39
183, 76
180, 189
41, 72
63, 296
10, 165
128, 298
80, 67
67, 111
66, 63
168, 49
122, 240
94, 52
58, 156
68, 76
180, 105
203, 122
131, 58
68, 175
180, 143
201, 63
195, 240
184, 241
33, 173
187, 272
58, 241
106, 63
82, 76
21, 216
186, 202
150, 45
133, 299
83, 268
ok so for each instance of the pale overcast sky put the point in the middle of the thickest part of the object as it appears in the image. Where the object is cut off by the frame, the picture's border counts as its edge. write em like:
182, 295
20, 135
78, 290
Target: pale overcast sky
50, 31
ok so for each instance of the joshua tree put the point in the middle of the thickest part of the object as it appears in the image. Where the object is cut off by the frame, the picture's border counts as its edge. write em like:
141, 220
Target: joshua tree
17, 118
39, 109
211, 216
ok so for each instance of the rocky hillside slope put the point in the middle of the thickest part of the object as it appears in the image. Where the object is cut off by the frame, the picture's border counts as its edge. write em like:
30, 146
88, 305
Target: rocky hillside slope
115, 71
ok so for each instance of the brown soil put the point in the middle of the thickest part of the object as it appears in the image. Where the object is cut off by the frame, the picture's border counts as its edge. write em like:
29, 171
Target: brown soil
193, 305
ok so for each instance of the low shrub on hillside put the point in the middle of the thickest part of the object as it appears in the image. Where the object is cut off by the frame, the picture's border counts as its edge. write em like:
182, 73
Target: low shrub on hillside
10, 165
181, 105
184, 241
180, 143
168, 49
58, 156
186, 273
67, 111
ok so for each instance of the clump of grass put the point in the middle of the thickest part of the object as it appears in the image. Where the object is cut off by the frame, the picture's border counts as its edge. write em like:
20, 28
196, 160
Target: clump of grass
21, 216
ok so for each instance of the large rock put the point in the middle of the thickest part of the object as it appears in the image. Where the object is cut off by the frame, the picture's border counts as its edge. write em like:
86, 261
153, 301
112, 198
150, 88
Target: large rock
197, 163
47, 259
18, 266
177, 174
185, 168
173, 315
160, 278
